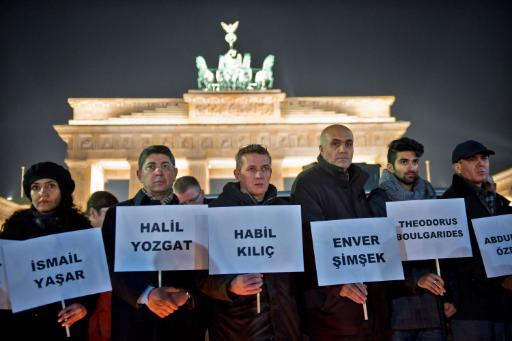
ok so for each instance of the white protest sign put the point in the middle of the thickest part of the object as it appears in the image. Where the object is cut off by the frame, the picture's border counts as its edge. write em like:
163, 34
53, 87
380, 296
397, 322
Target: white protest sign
356, 250
5, 303
161, 237
431, 229
494, 237
255, 239
56, 267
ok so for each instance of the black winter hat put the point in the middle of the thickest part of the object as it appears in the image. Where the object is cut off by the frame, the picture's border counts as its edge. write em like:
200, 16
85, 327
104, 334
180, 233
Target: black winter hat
469, 148
50, 170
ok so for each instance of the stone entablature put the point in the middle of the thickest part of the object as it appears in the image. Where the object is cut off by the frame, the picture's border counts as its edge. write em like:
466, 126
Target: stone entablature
205, 130
271, 106
234, 107
104, 108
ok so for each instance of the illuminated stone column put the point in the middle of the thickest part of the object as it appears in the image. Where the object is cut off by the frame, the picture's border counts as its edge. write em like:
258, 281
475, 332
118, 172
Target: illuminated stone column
81, 173
133, 184
199, 170
277, 174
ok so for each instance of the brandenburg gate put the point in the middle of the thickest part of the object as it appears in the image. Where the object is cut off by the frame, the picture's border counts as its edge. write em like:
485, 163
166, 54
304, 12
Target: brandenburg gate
206, 127
205, 130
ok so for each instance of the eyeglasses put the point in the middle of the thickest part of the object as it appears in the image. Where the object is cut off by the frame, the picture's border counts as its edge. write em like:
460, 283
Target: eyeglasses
151, 167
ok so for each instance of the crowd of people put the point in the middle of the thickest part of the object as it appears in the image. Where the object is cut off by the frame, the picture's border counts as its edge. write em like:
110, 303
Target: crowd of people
190, 304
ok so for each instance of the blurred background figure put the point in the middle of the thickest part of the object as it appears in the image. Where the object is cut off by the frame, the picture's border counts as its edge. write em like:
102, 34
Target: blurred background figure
101, 320
189, 192
97, 205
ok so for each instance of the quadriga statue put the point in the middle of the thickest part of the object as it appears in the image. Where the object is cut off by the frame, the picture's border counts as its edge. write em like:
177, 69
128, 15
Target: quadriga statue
245, 73
205, 78
264, 78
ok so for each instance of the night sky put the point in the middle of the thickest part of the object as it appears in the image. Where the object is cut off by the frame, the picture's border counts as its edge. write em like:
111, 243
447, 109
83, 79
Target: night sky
449, 63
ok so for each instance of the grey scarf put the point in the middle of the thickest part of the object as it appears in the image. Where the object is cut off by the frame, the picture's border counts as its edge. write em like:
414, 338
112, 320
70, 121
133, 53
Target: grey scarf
422, 189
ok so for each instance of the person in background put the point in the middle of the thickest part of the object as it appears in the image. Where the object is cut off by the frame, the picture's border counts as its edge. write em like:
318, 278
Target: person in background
49, 187
189, 192
484, 305
101, 319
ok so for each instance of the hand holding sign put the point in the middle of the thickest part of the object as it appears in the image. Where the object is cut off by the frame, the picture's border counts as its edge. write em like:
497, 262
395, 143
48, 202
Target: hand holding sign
356, 292
166, 300
71, 314
248, 284
432, 283
178, 296
449, 309
507, 283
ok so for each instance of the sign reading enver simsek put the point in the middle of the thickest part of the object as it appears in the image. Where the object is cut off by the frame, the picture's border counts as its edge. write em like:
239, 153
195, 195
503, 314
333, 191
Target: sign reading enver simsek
356, 250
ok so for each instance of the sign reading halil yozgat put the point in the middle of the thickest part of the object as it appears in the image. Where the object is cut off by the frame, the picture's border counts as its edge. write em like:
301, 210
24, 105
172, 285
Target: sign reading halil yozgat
161, 237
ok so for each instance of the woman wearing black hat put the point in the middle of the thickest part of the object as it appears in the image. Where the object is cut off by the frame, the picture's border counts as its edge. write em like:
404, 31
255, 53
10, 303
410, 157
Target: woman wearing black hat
49, 187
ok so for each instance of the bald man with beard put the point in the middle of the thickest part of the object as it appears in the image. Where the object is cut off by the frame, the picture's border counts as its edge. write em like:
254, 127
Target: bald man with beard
332, 189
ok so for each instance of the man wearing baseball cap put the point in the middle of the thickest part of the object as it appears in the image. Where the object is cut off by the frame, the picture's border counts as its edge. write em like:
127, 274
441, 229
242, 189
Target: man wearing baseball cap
483, 304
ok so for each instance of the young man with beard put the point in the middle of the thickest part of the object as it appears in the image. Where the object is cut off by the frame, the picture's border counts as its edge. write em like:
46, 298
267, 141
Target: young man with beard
416, 310
234, 314
483, 304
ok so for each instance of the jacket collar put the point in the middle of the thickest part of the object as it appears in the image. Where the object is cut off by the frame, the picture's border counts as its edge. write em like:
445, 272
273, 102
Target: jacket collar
464, 186
232, 193
354, 175
142, 199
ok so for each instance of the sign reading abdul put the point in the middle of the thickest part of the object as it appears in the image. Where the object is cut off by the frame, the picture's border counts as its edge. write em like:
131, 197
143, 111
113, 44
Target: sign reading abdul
234, 71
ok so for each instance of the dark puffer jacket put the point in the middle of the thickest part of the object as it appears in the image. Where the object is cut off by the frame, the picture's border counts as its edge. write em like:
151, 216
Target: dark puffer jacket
42, 321
326, 192
234, 317
476, 297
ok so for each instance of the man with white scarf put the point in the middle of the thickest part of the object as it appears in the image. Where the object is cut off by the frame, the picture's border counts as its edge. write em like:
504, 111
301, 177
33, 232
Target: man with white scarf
416, 308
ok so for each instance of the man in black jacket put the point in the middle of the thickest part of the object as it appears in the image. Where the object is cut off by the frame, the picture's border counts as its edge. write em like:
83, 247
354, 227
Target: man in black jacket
234, 296
140, 309
482, 303
416, 312
333, 189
